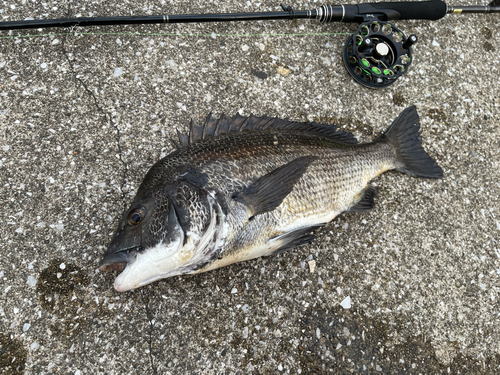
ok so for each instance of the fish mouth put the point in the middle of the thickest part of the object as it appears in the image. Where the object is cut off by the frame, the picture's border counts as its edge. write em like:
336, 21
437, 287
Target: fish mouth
113, 267
118, 261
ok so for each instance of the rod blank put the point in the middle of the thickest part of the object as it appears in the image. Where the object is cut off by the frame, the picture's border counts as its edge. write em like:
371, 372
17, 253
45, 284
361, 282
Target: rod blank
431, 10
473, 9
146, 20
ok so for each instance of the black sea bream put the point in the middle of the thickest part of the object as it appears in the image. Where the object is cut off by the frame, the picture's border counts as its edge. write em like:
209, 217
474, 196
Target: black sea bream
239, 188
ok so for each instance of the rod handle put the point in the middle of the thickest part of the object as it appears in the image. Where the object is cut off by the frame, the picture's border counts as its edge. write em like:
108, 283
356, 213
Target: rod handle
406, 10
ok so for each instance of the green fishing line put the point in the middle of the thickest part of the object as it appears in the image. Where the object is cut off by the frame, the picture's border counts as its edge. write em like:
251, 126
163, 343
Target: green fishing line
170, 34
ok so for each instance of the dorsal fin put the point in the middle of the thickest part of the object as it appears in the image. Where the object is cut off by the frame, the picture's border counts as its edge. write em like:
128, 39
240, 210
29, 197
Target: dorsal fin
210, 127
176, 144
214, 127
183, 139
237, 123
195, 133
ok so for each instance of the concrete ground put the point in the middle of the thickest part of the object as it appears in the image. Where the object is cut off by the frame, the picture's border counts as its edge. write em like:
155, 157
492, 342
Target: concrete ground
413, 286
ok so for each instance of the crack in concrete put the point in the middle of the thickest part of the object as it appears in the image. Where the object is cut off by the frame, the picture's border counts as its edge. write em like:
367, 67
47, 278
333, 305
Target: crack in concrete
108, 119
151, 326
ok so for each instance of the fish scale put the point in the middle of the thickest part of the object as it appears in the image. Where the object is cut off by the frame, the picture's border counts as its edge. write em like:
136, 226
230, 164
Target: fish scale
242, 187
326, 189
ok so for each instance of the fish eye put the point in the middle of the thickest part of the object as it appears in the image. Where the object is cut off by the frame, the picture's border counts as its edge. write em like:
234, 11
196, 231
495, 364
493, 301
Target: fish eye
135, 219
136, 216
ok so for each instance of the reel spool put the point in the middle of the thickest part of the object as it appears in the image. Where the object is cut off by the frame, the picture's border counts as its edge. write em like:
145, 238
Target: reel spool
377, 54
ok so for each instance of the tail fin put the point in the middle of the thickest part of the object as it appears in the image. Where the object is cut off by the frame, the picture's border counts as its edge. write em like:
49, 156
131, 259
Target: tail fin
405, 138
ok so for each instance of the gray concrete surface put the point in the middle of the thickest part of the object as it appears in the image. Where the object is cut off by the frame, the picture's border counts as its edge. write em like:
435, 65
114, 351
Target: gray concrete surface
84, 114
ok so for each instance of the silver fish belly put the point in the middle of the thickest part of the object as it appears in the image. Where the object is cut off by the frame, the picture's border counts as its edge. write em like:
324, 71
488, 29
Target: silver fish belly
238, 188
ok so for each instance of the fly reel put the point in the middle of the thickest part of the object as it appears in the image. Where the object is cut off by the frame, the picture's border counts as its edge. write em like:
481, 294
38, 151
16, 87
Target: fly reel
377, 54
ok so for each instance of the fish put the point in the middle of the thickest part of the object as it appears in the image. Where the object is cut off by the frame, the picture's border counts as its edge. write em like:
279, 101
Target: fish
238, 188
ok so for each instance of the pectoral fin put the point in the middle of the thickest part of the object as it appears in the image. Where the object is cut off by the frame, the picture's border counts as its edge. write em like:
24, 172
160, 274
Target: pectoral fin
268, 192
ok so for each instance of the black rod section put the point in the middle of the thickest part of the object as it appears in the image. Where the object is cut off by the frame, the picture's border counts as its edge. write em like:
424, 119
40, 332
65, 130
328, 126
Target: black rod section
473, 9
159, 19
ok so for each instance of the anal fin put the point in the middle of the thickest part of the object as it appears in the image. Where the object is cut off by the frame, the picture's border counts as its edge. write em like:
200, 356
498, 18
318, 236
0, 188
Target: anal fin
366, 201
295, 238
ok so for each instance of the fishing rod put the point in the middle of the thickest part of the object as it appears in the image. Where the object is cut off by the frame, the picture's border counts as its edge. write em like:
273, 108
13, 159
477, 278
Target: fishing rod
375, 55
